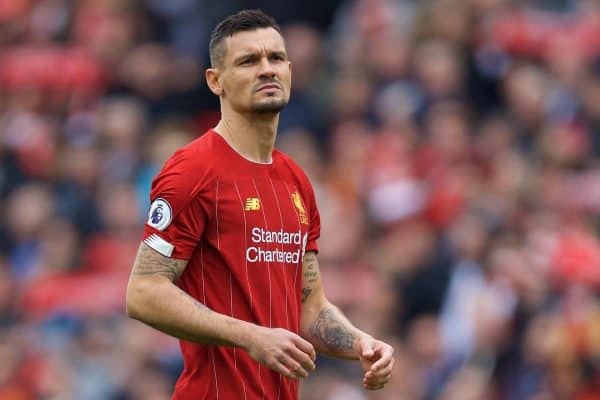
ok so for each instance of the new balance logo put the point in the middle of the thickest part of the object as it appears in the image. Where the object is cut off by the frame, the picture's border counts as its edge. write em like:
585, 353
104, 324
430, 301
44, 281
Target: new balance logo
252, 204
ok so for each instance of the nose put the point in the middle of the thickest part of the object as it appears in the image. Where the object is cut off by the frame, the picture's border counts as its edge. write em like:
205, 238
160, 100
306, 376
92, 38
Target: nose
266, 68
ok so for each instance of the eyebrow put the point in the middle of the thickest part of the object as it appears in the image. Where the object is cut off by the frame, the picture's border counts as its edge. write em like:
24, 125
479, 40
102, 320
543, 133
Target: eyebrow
278, 53
255, 54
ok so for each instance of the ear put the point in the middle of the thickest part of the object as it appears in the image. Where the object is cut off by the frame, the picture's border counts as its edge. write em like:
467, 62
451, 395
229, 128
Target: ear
213, 80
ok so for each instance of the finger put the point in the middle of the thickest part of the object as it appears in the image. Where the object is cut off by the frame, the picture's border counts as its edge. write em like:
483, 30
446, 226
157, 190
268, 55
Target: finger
374, 387
382, 369
293, 366
283, 370
306, 347
377, 384
384, 360
367, 348
381, 364
377, 380
302, 358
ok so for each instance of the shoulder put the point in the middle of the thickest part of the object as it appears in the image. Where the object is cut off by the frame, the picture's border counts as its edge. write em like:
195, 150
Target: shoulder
286, 162
194, 154
292, 170
188, 170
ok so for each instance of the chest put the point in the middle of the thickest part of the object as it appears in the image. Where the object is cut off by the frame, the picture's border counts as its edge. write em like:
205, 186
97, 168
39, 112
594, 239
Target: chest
261, 210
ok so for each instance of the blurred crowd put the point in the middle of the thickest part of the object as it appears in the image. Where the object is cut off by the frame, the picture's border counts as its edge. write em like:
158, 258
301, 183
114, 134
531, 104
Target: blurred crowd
454, 146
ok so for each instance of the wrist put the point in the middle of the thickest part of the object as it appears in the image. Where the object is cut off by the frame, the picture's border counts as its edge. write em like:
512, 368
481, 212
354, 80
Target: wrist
246, 333
361, 338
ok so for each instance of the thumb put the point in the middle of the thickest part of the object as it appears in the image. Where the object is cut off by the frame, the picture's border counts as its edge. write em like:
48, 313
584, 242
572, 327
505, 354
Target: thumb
367, 350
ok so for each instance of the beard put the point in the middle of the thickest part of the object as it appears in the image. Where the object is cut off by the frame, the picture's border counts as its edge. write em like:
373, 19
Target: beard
268, 106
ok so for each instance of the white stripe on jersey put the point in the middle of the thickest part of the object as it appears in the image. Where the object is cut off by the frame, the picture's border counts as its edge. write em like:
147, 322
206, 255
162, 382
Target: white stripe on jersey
237, 189
159, 244
211, 351
217, 214
301, 262
268, 263
245, 240
287, 317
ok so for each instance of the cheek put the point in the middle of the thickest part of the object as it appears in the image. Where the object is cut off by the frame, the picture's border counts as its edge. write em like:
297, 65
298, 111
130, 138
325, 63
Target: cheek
285, 77
286, 73
288, 78
288, 83
236, 84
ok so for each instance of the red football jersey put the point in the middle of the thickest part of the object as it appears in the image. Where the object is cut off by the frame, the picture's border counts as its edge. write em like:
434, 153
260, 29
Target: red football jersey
244, 227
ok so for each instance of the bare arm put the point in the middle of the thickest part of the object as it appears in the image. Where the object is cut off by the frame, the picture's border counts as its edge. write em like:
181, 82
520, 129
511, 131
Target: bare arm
326, 327
323, 324
153, 298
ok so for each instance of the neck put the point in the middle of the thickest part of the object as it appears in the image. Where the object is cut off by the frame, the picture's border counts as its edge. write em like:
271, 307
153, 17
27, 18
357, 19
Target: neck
251, 135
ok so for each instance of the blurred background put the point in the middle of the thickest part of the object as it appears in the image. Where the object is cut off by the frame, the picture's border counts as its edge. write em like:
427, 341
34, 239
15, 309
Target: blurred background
454, 146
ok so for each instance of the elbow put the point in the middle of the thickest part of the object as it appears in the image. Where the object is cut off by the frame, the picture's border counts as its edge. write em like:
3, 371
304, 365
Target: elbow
310, 311
130, 307
141, 295
134, 300
314, 304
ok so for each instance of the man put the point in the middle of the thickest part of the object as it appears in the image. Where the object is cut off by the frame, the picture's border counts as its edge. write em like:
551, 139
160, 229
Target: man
228, 263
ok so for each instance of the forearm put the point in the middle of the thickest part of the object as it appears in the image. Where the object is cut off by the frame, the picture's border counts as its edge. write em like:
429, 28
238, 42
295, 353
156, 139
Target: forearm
330, 332
161, 304
322, 323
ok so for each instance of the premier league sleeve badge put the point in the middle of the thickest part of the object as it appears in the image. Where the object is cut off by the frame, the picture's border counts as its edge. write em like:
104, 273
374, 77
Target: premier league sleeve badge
160, 214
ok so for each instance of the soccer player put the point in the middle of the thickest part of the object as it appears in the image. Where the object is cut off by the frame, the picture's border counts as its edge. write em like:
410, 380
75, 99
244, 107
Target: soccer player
228, 263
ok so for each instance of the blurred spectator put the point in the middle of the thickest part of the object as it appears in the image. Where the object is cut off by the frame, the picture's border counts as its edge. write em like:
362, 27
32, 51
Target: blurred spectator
454, 149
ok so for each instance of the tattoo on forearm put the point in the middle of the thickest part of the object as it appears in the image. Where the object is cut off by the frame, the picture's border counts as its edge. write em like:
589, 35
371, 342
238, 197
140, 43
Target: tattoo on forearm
149, 262
310, 275
332, 332
305, 293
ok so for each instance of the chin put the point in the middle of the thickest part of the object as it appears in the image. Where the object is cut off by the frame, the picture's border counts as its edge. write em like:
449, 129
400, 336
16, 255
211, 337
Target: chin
271, 106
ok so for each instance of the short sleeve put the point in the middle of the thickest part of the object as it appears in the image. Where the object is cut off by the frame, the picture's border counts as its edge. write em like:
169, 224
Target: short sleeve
176, 219
314, 231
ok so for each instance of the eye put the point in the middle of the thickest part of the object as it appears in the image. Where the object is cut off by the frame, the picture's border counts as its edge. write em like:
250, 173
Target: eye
278, 57
247, 61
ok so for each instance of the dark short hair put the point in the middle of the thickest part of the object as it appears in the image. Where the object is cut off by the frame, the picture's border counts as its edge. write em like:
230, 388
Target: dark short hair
245, 20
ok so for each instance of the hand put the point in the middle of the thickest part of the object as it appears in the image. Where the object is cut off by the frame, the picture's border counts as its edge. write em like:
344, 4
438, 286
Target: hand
282, 351
376, 358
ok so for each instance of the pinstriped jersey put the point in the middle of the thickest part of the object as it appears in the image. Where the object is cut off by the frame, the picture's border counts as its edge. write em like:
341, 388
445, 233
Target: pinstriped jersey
244, 227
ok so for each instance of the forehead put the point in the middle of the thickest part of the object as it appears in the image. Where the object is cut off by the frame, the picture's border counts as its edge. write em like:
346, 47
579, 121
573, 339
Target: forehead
259, 40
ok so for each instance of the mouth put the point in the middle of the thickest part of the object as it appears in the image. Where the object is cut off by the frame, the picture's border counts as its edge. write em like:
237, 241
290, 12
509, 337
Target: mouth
268, 87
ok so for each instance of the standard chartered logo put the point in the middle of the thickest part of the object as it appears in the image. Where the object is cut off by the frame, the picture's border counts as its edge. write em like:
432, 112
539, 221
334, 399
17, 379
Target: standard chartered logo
257, 253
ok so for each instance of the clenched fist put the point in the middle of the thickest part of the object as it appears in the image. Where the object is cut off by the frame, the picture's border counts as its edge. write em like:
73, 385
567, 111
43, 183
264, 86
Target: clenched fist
282, 351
